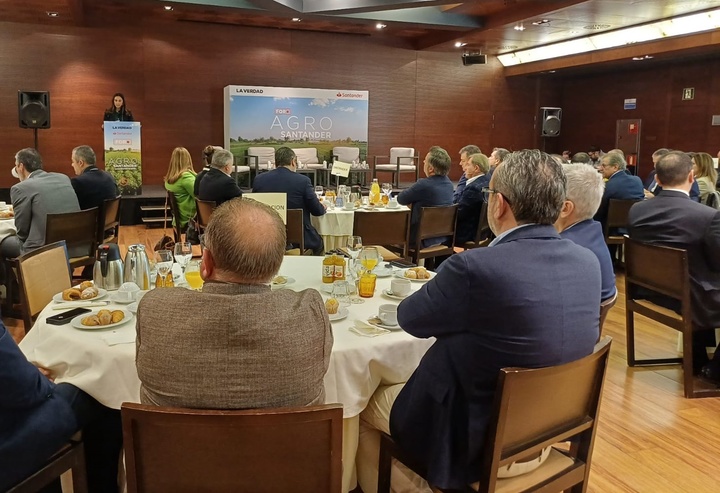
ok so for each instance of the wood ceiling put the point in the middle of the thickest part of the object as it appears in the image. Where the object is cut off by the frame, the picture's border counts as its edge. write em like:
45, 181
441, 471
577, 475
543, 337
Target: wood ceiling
487, 26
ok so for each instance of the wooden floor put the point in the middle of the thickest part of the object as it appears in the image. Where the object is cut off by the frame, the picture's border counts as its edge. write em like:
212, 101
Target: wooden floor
650, 438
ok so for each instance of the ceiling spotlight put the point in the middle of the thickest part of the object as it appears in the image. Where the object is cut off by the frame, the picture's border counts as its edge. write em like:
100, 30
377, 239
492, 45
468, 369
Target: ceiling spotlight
459, 44
519, 27
296, 19
52, 14
380, 25
168, 8
648, 57
541, 22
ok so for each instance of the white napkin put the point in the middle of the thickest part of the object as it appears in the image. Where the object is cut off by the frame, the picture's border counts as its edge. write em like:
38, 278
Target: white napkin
366, 330
115, 337
65, 305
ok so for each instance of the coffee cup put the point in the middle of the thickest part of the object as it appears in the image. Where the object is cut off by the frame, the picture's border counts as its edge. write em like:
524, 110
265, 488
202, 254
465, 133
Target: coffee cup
127, 292
388, 314
349, 206
400, 287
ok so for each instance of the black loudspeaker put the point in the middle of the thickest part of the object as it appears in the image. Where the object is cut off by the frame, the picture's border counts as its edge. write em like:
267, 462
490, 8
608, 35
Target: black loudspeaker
34, 109
550, 120
474, 59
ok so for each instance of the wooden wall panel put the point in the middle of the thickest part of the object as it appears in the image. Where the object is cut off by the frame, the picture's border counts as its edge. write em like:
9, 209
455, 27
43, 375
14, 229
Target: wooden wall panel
172, 75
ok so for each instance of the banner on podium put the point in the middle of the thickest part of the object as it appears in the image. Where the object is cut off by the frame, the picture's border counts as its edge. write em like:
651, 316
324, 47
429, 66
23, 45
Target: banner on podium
122, 155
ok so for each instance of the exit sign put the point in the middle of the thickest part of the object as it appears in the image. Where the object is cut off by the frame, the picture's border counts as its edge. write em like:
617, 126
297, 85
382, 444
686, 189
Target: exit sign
688, 93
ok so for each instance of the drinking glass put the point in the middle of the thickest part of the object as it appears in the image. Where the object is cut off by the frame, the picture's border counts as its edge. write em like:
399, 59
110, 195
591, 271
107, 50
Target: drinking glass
341, 292
183, 253
164, 262
369, 258
387, 188
192, 275
366, 286
319, 190
354, 246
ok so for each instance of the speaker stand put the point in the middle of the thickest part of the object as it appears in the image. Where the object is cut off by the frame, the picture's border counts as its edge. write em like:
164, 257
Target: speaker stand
36, 139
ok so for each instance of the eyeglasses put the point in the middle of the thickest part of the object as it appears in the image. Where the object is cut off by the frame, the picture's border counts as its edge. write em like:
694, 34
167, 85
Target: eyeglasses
486, 191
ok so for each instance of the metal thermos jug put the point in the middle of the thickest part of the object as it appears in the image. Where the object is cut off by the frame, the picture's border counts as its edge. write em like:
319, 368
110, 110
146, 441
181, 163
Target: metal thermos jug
137, 266
108, 269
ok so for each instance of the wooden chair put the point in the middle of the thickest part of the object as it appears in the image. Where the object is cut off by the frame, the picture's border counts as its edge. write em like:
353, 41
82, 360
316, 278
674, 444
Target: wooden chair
204, 209
401, 160
534, 408
41, 274
605, 307
109, 221
262, 450
79, 231
70, 456
175, 211
295, 229
435, 222
483, 235
664, 271
386, 229
617, 219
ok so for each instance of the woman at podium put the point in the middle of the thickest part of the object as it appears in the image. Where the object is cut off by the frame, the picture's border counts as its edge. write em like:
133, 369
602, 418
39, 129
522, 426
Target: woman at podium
117, 111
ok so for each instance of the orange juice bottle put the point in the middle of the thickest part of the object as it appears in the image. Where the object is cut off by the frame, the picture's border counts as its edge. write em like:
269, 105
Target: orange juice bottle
375, 192
339, 268
328, 269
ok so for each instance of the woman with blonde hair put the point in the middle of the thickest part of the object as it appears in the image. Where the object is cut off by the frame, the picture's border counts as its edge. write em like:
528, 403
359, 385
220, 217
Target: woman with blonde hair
180, 180
705, 174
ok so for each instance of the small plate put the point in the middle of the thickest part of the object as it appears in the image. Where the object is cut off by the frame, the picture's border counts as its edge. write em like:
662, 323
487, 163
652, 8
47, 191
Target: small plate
278, 285
101, 294
132, 307
114, 298
76, 322
341, 314
375, 321
394, 296
401, 275
383, 271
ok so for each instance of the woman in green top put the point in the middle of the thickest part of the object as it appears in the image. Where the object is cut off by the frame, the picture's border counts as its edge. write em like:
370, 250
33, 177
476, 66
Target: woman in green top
180, 180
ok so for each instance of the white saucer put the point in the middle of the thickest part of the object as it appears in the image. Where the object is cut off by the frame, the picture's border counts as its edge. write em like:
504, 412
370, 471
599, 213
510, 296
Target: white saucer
371, 321
383, 272
341, 314
401, 275
394, 296
121, 301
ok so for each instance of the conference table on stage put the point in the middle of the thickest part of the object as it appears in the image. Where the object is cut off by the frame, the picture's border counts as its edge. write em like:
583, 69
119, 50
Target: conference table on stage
102, 362
336, 225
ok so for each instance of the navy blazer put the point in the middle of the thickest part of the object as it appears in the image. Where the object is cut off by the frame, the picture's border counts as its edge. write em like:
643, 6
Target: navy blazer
34, 424
589, 234
531, 300
469, 204
93, 186
432, 191
460, 187
300, 195
620, 186
218, 187
673, 220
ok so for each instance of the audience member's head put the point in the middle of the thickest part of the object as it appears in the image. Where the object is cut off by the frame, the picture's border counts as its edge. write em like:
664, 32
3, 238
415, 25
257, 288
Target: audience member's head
617, 151
594, 152
497, 156
26, 161
476, 165
567, 156
528, 187
208, 154
468, 151
673, 170
585, 187
581, 157
703, 166
244, 243
611, 163
222, 160
437, 162
284, 157
180, 162
658, 154
82, 157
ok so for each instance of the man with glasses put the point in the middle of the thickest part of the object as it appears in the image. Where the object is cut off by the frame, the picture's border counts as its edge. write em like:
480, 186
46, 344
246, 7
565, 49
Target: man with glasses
530, 299
619, 185
38, 194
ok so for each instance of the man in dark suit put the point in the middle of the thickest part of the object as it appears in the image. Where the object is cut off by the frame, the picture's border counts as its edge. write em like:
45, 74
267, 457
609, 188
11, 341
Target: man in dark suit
530, 299
92, 185
672, 219
217, 185
433, 191
465, 154
470, 201
652, 188
585, 189
620, 185
37, 417
300, 193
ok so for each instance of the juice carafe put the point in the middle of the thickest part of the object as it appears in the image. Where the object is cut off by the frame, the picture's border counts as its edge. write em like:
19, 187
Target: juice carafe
339, 268
375, 192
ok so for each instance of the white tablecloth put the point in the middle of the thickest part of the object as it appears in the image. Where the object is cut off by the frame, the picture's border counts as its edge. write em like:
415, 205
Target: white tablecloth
7, 228
358, 365
336, 226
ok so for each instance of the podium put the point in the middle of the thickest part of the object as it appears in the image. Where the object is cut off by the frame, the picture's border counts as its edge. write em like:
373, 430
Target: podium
123, 159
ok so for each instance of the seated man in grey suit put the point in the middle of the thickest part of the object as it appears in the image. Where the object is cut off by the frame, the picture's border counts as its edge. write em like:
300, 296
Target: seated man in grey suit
236, 344
530, 299
585, 188
37, 195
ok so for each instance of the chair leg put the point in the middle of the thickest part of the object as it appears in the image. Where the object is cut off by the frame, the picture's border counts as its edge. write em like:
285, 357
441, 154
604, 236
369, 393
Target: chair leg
384, 468
630, 336
687, 363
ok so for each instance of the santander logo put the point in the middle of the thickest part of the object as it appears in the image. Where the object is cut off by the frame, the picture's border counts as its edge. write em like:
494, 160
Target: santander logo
349, 95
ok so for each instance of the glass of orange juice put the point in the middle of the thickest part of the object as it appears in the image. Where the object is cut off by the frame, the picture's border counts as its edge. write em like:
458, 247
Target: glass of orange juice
369, 258
192, 275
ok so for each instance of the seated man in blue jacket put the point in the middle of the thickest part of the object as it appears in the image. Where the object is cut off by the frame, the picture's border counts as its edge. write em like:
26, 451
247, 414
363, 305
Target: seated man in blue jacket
38, 417
470, 200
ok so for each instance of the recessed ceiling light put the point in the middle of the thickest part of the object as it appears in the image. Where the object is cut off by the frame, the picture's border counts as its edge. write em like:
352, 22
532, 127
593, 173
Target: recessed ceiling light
168, 8
541, 22
596, 27
459, 44
519, 27
52, 14
296, 19
380, 25
648, 57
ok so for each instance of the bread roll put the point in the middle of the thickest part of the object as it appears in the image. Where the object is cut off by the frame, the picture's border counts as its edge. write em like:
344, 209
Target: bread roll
89, 293
105, 317
85, 284
71, 294
117, 316
91, 320
411, 274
